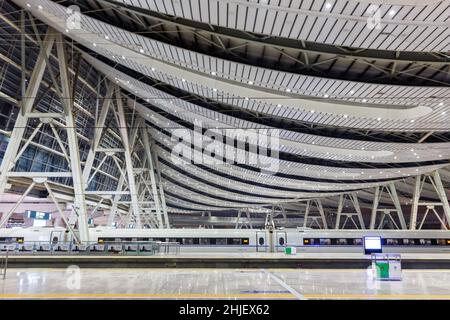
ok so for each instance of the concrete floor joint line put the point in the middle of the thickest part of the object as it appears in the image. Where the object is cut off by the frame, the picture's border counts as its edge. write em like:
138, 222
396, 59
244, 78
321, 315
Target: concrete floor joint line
297, 294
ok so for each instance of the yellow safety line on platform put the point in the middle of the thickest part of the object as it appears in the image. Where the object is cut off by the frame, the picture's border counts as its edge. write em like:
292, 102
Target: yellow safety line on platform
378, 296
144, 295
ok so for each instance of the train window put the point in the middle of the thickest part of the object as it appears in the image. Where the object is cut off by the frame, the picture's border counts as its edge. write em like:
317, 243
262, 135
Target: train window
325, 242
342, 242
391, 242
234, 241
188, 241
410, 242
281, 241
306, 242
425, 242
245, 241
196, 241
261, 241
221, 241
204, 241
357, 242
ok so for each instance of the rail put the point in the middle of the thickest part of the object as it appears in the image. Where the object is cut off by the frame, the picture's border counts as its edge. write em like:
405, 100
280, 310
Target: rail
68, 248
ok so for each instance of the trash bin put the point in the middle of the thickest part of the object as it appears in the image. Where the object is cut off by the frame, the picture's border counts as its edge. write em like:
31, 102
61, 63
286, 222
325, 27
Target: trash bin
290, 250
386, 266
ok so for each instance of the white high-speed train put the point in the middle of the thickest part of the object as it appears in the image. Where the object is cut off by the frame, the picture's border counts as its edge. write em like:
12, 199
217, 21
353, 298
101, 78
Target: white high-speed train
238, 240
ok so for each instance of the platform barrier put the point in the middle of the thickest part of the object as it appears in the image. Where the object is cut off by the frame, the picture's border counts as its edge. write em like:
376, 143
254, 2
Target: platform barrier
68, 248
4, 264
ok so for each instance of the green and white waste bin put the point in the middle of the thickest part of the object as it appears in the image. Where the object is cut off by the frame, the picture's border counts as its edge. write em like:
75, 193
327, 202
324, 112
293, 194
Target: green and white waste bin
290, 250
386, 266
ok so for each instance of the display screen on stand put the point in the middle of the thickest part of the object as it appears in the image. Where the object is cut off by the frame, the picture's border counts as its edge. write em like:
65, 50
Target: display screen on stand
372, 245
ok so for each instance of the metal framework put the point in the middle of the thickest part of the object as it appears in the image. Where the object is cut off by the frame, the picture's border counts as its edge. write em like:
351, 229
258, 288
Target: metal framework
436, 182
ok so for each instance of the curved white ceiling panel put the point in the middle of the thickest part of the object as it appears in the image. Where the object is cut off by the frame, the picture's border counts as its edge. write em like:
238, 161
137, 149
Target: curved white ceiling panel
290, 168
291, 142
213, 86
422, 26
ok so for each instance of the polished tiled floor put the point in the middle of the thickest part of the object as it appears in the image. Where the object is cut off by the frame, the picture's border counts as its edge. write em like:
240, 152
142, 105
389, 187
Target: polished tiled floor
220, 284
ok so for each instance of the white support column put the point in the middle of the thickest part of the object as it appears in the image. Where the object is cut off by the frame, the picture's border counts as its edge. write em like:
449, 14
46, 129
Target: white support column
339, 211
441, 193
128, 161
354, 198
305, 219
159, 213
238, 220
100, 123
322, 213
249, 219
376, 200
415, 203
398, 207
160, 184
75, 163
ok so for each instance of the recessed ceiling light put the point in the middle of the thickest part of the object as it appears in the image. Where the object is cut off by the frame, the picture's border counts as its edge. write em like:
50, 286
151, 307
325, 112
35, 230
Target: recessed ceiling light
213, 73
312, 111
379, 119
392, 13
67, 30
123, 57
364, 100
279, 105
288, 90
94, 44
352, 92
246, 98
153, 69
141, 50
40, 7
28, 5
326, 96
328, 5
183, 80
412, 120
443, 113
106, 37
214, 89
441, 104
345, 116
250, 82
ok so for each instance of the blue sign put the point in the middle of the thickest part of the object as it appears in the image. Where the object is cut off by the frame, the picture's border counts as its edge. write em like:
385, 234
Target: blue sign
39, 215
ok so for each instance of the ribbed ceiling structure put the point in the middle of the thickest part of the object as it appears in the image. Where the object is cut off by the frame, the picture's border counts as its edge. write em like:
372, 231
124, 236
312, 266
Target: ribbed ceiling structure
354, 106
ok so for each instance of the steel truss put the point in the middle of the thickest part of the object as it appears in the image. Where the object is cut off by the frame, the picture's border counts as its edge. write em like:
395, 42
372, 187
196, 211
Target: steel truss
15, 150
134, 160
386, 211
353, 197
435, 180
145, 202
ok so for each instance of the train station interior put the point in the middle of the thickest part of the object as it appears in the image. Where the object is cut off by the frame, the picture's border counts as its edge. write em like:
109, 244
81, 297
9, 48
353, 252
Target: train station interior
225, 149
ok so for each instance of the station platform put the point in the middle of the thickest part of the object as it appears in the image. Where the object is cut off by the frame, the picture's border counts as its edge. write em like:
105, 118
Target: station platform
225, 260
208, 283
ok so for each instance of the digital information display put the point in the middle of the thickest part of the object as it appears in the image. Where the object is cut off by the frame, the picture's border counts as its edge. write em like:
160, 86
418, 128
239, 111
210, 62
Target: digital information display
39, 215
372, 245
